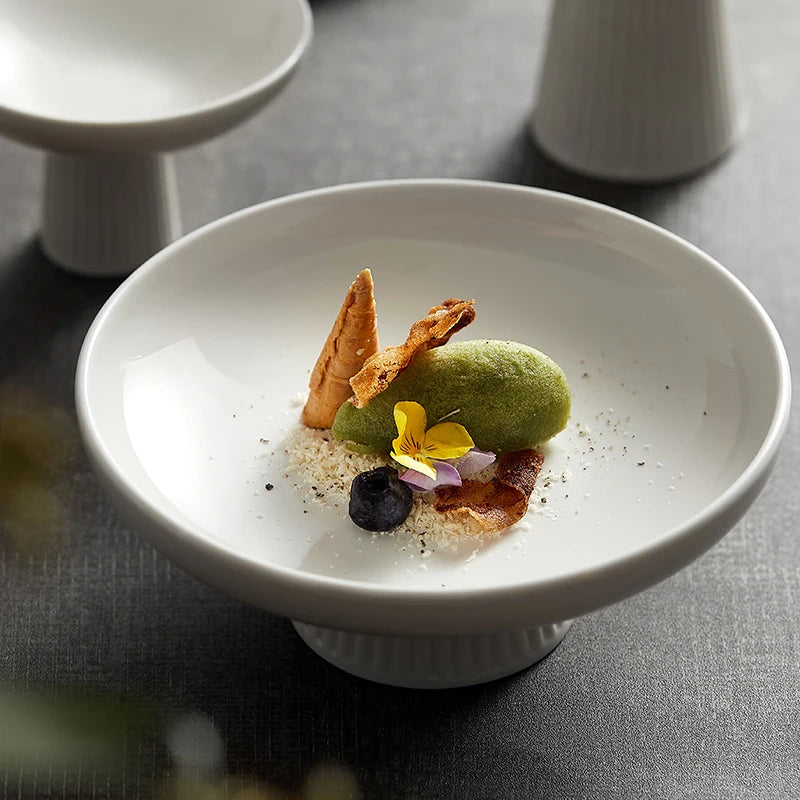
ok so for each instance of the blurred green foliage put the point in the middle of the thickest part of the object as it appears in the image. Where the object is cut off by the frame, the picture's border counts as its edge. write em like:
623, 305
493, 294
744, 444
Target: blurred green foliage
37, 442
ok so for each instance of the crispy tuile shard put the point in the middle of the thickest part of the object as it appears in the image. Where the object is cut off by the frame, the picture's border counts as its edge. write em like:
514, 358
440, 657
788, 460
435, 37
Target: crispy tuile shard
500, 502
352, 340
425, 334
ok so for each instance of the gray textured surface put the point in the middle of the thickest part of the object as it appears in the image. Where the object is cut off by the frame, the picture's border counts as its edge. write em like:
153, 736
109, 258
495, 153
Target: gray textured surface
690, 690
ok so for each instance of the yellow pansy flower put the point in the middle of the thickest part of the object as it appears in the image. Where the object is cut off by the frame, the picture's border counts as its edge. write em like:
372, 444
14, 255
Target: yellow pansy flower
416, 448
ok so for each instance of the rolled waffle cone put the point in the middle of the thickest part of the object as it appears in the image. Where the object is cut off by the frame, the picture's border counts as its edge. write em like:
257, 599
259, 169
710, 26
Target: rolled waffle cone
352, 340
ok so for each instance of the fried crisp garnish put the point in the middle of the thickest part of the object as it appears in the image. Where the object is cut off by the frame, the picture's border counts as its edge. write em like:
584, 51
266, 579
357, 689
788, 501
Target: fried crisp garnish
500, 502
425, 334
352, 340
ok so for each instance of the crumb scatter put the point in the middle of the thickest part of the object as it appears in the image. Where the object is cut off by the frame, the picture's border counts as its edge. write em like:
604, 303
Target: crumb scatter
322, 469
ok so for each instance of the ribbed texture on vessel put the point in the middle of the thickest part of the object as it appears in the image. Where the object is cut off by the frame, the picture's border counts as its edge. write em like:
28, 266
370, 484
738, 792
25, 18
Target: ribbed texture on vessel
432, 662
105, 215
637, 90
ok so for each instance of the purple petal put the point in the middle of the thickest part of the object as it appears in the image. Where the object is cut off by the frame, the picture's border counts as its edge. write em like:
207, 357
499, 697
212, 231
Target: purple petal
416, 480
474, 461
446, 475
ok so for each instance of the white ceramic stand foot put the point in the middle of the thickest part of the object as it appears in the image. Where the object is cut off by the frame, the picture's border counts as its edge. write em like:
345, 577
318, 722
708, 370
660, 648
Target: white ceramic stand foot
105, 214
637, 91
433, 662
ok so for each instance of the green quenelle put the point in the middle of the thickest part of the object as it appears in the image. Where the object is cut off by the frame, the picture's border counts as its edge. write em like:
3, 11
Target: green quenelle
507, 395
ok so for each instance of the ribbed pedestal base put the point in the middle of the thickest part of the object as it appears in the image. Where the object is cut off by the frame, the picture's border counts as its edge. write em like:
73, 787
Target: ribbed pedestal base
433, 662
106, 214
637, 91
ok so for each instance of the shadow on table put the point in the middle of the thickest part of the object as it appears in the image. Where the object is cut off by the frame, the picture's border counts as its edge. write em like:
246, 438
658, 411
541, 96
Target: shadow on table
283, 714
44, 312
44, 315
520, 161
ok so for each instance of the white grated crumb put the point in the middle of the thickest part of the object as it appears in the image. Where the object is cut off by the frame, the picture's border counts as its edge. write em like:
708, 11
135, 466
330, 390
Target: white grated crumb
298, 400
473, 555
317, 460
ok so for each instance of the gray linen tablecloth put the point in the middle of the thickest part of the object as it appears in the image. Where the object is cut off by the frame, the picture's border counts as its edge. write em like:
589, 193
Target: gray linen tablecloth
690, 690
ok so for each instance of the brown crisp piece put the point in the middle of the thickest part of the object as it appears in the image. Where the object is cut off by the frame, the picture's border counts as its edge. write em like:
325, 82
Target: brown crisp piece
352, 340
500, 502
425, 334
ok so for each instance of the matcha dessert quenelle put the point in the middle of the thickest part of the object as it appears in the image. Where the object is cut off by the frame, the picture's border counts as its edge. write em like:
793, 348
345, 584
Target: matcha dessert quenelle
507, 395
448, 430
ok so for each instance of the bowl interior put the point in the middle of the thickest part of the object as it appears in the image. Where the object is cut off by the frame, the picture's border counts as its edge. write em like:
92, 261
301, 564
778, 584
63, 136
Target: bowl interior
675, 371
110, 60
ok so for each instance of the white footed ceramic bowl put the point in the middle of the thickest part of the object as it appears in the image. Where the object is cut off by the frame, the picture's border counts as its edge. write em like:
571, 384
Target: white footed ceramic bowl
106, 87
681, 397
114, 76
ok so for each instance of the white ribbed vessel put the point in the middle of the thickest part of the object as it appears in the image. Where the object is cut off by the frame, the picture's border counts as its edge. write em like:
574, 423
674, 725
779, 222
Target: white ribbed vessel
430, 662
637, 90
104, 215
160, 77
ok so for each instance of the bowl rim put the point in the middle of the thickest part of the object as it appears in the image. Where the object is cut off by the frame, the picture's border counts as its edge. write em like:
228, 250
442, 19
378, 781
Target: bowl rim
64, 125
318, 596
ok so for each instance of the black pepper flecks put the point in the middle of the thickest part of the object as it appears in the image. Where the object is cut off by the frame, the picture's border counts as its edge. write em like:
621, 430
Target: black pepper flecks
269, 487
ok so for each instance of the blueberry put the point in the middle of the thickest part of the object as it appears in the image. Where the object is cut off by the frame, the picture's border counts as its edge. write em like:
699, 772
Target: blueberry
379, 500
